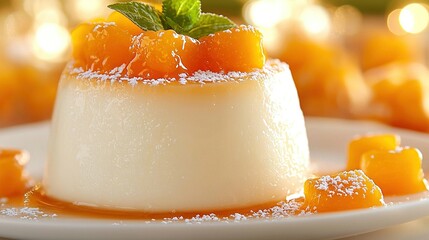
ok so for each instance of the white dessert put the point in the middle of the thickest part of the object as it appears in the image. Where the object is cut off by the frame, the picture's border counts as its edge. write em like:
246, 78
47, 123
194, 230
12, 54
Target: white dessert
201, 143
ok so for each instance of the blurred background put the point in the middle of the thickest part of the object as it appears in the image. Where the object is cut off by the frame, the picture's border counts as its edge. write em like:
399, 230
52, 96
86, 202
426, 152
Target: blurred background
355, 59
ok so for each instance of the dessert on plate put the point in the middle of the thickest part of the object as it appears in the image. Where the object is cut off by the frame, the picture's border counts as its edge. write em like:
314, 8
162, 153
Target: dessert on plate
180, 113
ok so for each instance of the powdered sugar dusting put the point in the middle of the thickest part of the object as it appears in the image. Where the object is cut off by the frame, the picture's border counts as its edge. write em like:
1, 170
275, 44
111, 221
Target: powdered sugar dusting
280, 211
23, 211
242, 27
28, 213
348, 184
199, 77
103, 26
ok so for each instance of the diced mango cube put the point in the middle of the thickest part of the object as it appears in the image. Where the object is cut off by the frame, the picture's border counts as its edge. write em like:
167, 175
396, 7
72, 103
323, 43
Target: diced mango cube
360, 145
396, 172
329, 81
101, 46
381, 48
400, 95
409, 105
344, 191
12, 176
163, 54
237, 49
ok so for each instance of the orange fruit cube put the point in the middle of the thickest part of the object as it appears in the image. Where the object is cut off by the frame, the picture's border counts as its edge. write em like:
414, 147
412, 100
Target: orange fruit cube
329, 82
396, 172
409, 105
12, 176
400, 93
101, 46
381, 48
237, 49
344, 191
360, 145
163, 54
79, 43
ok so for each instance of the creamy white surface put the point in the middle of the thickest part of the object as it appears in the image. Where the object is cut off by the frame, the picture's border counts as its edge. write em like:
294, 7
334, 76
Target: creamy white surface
189, 147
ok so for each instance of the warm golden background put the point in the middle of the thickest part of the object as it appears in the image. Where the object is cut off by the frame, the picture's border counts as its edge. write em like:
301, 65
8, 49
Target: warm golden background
359, 59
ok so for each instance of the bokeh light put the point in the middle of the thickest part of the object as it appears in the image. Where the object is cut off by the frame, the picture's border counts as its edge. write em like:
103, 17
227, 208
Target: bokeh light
32, 7
266, 13
52, 15
315, 20
85, 9
51, 42
347, 20
393, 22
414, 18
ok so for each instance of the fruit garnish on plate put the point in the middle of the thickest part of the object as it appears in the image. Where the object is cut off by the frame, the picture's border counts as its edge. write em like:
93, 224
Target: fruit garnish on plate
343, 191
362, 144
396, 172
376, 167
141, 41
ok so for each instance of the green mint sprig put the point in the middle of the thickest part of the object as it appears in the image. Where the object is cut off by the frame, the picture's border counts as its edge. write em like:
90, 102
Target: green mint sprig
183, 16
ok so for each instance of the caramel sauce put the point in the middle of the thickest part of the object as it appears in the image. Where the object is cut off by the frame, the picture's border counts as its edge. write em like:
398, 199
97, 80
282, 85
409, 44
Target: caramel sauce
36, 198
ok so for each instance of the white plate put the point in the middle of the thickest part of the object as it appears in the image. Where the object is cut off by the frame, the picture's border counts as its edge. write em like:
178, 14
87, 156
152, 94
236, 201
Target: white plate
328, 139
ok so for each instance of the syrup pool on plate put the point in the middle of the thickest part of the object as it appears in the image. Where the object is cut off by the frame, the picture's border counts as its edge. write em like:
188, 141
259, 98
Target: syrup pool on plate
35, 205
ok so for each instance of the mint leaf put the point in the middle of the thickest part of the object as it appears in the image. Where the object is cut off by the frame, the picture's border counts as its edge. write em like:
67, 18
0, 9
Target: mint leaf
143, 15
184, 13
183, 16
209, 23
171, 24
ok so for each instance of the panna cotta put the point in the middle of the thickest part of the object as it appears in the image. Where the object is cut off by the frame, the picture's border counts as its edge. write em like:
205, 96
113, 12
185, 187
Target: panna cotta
215, 142
147, 119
